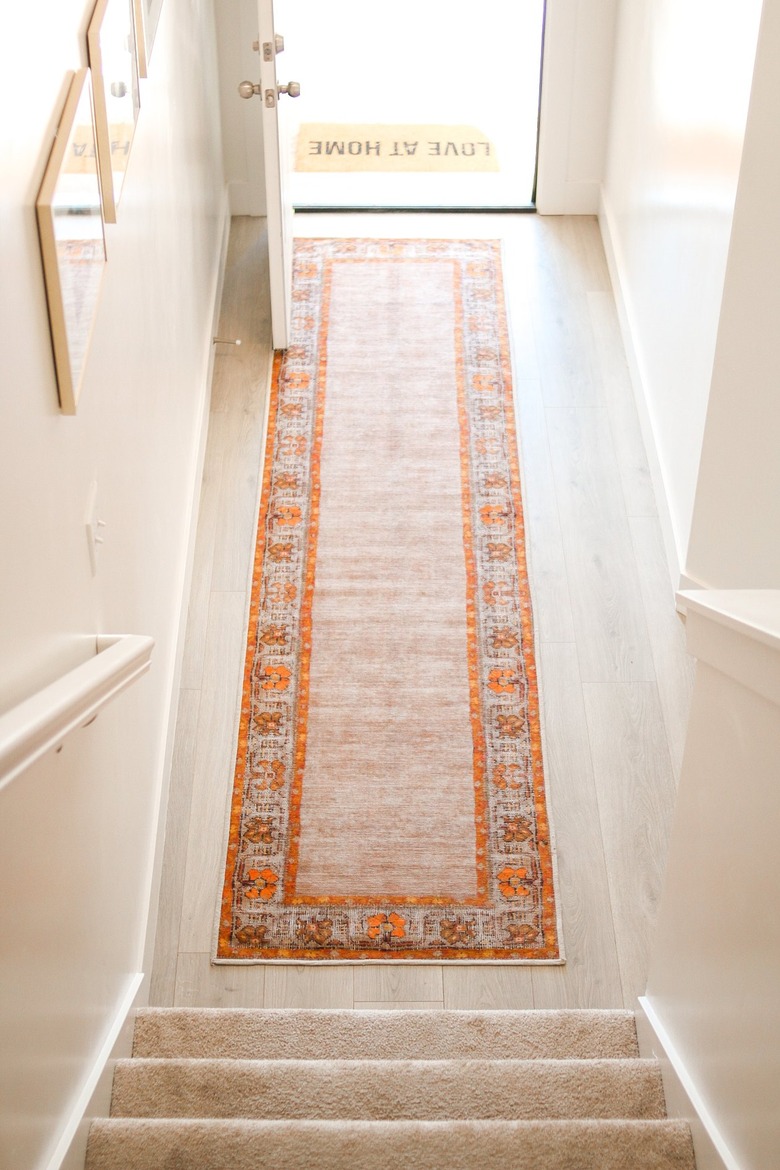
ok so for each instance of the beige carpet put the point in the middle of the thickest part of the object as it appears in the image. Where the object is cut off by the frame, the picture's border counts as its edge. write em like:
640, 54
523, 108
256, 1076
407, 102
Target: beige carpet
206, 1033
371, 1090
389, 798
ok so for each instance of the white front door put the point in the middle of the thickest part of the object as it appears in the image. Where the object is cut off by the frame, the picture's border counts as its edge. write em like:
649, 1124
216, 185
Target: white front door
275, 148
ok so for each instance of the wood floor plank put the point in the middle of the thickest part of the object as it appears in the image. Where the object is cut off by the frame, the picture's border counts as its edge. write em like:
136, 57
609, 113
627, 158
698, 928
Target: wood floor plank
245, 314
568, 364
208, 525
239, 501
301, 986
486, 987
567, 359
587, 248
163, 982
240, 392
591, 975
612, 638
636, 793
214, 763
674, 666
201, 983
544, 542
392, 982
412, 1005
618, 395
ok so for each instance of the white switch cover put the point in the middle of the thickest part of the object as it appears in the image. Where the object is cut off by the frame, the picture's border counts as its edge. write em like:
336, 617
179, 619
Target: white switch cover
94, 527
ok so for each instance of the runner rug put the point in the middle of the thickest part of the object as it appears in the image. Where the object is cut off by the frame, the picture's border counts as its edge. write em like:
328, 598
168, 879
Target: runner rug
389, 799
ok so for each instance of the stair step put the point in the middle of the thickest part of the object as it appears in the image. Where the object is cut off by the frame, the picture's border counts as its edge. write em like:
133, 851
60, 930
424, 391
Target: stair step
278, 1034
388, 1089
385, 1145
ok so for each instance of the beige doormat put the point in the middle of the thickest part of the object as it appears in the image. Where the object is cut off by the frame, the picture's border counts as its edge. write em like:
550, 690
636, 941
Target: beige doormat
330, 146
389, 798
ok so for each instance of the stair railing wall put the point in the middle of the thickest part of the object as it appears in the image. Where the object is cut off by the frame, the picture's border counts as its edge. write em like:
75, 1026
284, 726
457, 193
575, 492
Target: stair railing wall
713, 998
74, 850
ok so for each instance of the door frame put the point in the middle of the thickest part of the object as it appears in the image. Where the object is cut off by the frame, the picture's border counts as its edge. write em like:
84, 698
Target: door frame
577, 67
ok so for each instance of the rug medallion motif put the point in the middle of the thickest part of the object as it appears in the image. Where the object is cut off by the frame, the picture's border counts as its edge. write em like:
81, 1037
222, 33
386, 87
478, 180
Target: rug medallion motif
389, 799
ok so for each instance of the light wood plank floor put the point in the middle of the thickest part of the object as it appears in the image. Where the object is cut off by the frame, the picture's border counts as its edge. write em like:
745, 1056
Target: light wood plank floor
615, 677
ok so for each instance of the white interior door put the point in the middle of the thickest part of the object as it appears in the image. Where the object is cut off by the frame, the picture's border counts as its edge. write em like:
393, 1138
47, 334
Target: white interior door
275, 149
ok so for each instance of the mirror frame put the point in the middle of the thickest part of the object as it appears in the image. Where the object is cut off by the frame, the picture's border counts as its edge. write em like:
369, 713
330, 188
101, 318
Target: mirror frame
100, 99
140, 38
68, 384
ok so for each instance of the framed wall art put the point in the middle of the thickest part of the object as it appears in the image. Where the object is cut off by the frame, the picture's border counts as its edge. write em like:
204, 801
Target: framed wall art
73, 246
112, 55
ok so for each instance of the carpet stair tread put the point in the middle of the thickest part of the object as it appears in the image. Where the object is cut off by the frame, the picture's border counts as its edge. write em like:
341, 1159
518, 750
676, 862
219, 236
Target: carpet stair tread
252, 1089
278, 1034
140, 1144
388, 1089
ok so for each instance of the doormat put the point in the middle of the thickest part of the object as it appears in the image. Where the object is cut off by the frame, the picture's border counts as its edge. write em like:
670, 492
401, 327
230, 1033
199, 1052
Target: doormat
389, 799
327, 146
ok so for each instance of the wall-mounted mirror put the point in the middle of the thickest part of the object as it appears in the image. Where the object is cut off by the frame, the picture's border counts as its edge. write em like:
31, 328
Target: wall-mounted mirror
70, 224
112, 55
151, 16
140, 36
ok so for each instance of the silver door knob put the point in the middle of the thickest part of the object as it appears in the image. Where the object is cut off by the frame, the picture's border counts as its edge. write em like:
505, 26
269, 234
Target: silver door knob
248, 90
292, 89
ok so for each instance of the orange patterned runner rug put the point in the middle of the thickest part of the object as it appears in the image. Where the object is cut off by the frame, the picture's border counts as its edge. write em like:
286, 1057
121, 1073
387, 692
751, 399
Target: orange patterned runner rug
389, 799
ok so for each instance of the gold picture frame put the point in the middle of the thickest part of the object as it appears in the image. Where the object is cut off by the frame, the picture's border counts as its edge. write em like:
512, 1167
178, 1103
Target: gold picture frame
73, 243
111, 41
140, 38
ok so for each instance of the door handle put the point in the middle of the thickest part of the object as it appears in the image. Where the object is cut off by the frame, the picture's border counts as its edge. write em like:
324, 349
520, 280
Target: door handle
248, 89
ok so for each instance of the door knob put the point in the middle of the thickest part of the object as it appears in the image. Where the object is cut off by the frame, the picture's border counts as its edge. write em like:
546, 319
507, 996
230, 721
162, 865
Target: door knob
247, 90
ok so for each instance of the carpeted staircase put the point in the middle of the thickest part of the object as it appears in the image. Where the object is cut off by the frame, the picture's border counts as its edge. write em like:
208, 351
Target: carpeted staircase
327, 1090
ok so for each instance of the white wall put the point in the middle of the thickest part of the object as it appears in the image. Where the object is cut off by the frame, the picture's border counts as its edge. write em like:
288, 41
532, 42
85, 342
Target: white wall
78, 829
715, 969
735, 538
579, 44
679, 103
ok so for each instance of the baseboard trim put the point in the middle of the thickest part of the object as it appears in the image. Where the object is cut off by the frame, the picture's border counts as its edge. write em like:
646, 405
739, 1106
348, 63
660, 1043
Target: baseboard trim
95, 1094
636, 369
566, 197
683, 1099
